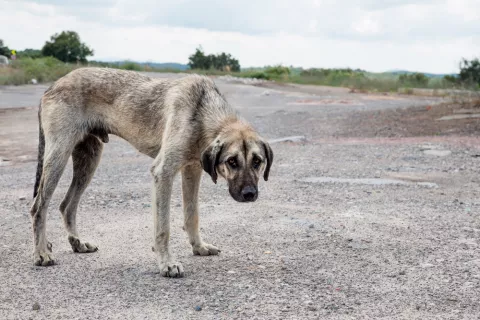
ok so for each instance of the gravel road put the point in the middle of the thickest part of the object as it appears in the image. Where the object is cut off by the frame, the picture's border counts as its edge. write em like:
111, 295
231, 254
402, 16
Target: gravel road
354, 222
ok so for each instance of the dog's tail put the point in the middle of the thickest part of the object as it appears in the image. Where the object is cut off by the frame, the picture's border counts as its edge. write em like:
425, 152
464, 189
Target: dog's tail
41, 151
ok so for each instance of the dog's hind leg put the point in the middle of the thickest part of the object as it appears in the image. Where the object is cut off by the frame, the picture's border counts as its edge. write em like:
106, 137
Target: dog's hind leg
56, 157
191, 176
85, 158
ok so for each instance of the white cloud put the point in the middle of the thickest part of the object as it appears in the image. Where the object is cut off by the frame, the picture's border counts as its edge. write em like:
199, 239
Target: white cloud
367, 26
428, 35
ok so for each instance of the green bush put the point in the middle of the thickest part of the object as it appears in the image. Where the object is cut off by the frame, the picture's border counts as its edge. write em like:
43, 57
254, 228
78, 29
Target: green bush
413, 80
260, 75
131, 66
29, 53
254, 75
334, 77
278, 72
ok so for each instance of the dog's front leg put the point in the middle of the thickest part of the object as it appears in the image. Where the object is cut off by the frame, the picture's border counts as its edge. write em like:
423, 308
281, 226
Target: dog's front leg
191, 176
163, 174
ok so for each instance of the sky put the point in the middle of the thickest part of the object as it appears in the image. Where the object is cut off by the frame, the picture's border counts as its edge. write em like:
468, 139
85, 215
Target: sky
374, 35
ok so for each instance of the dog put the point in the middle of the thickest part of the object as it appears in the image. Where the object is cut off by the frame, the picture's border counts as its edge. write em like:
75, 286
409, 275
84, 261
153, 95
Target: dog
186, 125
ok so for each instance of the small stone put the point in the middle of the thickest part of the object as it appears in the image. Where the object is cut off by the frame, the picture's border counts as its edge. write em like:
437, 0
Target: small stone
438, 153
312, 308
251, 298
311, 226
3, 161
261, 267
402, 272
198, 308
36, 306
288, 139
231, 272
267, 252
22, 198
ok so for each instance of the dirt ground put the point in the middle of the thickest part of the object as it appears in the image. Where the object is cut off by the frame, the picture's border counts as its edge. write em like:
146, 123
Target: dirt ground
374, 215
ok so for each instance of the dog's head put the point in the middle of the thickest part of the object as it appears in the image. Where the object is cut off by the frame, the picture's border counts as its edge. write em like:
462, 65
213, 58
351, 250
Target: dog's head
240, 156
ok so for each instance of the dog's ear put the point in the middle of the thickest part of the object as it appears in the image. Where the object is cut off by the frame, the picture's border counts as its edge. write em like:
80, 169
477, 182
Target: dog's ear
210, 158
269, 155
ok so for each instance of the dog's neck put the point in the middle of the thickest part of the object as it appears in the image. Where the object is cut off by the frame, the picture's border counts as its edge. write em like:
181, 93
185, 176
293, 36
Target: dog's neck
215, 127
218, 117
222, 126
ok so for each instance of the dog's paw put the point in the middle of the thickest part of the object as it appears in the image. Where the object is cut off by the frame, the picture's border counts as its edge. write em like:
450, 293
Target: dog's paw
205, 249
43, 258
81, 247
171, 269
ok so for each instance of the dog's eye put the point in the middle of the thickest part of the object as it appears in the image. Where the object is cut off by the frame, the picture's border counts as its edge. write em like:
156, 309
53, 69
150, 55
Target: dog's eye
232, 162
256, 163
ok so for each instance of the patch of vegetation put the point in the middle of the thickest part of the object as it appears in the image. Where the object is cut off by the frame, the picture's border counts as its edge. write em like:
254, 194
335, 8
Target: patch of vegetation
129, 65
29, 53
45, 69
358, 79
414, 80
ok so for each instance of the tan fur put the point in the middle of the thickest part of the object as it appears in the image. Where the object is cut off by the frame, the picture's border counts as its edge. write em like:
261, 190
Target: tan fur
183, 124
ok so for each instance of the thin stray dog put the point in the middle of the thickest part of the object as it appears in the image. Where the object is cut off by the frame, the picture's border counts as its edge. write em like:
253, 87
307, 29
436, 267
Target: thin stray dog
184, 124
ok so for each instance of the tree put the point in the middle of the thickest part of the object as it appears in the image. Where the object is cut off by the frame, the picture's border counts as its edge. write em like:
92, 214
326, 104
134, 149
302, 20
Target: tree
4, 50
199, 60
470, 71
67, 47
222, 61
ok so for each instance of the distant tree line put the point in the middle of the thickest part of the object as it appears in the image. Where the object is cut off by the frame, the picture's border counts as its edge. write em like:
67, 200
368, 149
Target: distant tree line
68, 47
222, 61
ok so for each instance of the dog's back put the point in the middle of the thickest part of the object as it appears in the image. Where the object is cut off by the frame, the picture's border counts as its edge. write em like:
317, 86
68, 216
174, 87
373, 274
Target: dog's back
97, 86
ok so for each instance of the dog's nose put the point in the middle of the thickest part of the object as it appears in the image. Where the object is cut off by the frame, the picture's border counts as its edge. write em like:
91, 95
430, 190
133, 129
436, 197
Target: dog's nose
249, 193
